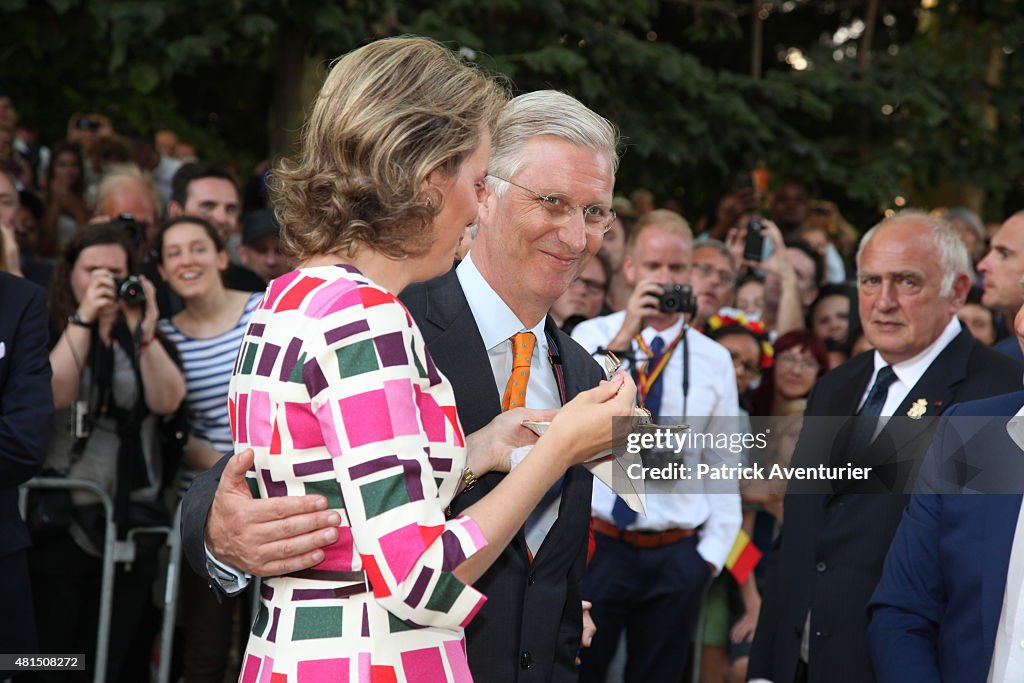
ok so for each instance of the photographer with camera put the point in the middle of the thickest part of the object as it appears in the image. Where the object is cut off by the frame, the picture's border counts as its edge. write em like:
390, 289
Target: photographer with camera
113, 377
649, 572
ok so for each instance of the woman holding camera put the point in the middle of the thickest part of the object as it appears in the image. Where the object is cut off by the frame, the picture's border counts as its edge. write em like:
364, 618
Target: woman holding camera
208, 332
113, 378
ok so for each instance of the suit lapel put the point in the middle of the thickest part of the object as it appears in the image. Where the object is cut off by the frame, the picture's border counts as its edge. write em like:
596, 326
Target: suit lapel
458, 350
889, 456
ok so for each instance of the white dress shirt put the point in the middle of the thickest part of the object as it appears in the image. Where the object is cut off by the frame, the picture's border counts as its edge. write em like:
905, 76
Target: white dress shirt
712, 406
910, 371
1008, 654
497, 324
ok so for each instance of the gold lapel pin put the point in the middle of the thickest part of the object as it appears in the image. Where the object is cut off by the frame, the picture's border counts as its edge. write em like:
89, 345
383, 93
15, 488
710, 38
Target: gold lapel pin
918, 409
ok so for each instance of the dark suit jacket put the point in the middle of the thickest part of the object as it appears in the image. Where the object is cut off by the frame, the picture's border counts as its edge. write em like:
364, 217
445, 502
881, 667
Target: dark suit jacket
26, 407
529, 629
935, 612
26, 401
833, 544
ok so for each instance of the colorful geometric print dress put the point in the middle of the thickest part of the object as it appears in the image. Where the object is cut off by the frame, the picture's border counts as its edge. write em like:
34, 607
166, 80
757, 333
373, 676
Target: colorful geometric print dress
335, 392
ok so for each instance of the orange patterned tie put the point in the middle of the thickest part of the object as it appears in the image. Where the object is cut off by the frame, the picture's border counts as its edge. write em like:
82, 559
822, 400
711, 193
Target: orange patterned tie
522, 352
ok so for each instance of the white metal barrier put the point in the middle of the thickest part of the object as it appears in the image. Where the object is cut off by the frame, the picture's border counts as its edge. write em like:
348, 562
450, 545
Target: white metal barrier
115, 551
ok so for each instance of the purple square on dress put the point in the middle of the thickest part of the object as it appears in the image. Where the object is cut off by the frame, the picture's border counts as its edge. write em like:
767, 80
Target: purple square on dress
391, 349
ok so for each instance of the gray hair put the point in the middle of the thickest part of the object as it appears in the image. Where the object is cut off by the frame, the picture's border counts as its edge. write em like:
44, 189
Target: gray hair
547, 112
719, 246
968, 218
117, 175
953, 257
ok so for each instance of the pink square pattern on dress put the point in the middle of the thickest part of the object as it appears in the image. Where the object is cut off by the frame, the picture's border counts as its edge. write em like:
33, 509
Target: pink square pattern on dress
401, 548
338, 556
322, 670
366, 417
326, 419
456, 652
431, 416
303, 426
251, 670
259, 418
331, 298
426, 663
402, 407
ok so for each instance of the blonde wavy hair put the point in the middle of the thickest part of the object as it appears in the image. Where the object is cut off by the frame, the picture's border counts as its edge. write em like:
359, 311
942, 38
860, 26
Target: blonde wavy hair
388, 115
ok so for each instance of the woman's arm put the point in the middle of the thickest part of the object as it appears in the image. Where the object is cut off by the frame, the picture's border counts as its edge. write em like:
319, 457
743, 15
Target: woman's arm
68, 359
163, 383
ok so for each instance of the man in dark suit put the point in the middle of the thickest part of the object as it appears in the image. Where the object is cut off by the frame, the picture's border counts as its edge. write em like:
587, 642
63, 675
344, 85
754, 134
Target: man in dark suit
528, 251
26, 406
948, 604
912, 277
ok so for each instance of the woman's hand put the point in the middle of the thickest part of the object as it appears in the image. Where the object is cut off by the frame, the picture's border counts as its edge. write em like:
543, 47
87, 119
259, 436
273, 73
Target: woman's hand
583, 427
488, 448
100, 297
745, 626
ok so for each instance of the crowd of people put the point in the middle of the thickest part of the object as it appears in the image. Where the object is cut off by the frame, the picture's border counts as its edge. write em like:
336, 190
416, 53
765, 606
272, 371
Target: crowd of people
331, 368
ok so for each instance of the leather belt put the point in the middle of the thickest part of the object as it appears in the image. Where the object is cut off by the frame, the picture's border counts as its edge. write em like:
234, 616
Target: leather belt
360, 582
642, 539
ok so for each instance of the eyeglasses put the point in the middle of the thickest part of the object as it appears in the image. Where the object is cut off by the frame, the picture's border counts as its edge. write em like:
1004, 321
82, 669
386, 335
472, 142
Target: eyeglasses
597, 219
704, 269
592, 286
749, 368
804, 364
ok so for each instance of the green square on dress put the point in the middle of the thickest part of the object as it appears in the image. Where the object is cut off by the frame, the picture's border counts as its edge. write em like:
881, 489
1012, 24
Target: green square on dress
296, 374
329, 489
383, 495
396, 625
254, 487
317, 622
358, 358
446, 592
260, 624
416, 360
248, 357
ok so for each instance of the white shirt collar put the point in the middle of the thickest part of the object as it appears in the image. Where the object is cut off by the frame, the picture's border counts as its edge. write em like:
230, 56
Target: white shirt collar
1015, 428
910, 371
495, 320
667, 335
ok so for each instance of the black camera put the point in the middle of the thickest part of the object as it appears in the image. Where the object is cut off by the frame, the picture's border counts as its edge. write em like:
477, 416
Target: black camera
753, 246
136, 229
677, 299
129, 290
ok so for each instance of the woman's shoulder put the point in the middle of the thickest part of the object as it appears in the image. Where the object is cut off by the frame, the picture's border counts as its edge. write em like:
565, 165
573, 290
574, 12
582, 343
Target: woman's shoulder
327, 291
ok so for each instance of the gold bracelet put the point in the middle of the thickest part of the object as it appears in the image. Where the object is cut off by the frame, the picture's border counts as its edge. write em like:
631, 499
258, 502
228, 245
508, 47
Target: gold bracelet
469, 479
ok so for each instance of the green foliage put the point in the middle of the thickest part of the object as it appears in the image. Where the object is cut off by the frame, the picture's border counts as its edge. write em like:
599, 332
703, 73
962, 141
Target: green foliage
674, 75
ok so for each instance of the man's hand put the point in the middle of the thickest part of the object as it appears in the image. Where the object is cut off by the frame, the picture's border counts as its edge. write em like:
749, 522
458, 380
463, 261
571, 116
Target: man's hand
266, 537
643, 302
589, 628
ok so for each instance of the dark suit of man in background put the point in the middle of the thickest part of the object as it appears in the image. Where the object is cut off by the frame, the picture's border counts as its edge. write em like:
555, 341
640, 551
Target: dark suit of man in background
912, 277
26, 407
528, 251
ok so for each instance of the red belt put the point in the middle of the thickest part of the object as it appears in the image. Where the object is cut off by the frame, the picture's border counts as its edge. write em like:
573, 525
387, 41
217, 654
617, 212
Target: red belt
642, 539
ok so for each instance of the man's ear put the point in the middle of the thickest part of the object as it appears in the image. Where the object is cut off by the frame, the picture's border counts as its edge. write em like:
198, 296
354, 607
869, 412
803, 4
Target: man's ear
174, 209
488, 204
629, 269
961, 287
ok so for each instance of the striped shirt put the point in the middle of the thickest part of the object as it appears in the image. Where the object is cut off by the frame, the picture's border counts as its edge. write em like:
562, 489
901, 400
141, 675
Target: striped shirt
208, 364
